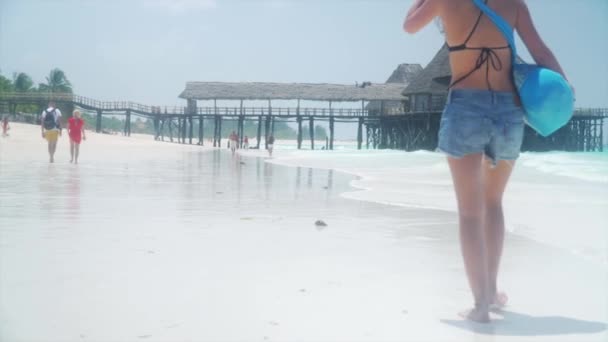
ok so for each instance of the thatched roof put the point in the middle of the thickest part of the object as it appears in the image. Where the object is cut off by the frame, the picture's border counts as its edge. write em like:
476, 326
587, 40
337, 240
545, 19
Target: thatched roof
290, 91
435, 78
404, 74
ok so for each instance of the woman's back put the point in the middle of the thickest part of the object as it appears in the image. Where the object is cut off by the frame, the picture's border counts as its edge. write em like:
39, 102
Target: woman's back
459, 19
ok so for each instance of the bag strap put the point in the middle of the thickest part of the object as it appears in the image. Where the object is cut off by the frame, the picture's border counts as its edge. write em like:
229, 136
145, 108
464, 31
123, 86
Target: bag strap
502, 25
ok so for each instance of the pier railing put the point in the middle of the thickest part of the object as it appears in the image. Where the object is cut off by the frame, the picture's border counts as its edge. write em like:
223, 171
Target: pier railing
124, 106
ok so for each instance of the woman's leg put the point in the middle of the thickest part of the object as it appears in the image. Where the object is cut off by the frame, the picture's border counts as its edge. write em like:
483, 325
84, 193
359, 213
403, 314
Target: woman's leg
495, 182
71, 150
467, 175
76, 152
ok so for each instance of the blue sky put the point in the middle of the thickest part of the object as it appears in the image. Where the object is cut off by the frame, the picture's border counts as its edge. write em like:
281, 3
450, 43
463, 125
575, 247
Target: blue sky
145, 50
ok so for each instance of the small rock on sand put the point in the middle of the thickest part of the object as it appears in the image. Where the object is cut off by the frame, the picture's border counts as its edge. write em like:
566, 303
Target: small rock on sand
320, 223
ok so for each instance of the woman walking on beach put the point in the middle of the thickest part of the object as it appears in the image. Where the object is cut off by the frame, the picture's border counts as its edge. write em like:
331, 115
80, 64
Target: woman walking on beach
481, 127
76, 133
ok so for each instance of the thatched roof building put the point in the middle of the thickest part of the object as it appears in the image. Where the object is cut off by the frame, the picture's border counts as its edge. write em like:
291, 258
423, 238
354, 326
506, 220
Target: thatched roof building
427, 91
291, 91
402, 76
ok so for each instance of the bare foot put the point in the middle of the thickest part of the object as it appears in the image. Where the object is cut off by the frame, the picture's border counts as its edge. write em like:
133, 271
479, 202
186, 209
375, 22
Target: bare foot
500, 301
477, 314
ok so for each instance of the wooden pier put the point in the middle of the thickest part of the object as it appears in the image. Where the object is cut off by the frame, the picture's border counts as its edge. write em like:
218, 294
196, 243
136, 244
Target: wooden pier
390, 119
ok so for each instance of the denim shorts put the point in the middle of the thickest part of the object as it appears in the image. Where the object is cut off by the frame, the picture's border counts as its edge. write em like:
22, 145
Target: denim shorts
481, 121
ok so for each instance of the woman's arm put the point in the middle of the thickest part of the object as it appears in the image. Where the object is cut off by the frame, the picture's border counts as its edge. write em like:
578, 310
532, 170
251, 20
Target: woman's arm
420, 14
82, 128
538, 49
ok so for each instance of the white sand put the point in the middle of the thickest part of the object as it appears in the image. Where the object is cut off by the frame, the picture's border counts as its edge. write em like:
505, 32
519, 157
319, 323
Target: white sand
134, 245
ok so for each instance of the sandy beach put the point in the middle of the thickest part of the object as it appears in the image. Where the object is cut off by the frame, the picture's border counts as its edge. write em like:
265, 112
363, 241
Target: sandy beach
152, 241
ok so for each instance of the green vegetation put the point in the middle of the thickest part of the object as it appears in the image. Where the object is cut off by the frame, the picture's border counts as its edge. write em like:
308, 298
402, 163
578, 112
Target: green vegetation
56, 82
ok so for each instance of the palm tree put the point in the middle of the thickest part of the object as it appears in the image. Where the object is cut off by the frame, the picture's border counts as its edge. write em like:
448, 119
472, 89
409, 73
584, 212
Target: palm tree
5, 84
22, 82
56, 82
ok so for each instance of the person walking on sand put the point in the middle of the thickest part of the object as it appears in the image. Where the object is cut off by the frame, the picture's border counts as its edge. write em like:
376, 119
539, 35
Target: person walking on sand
270, 145
233, 142
246, 143
50, 125
76, 134
5, 126
482, 127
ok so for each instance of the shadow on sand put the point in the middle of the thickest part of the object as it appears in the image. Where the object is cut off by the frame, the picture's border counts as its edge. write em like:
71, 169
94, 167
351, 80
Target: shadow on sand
516, 324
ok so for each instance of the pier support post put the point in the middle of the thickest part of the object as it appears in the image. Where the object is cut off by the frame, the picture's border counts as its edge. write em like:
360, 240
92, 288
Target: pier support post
311, 128
219, 131
260, 118
179, 130
191, 126
299, 119
128, 123
602, 135
267, 130
331, 132
98, 123
360, 133
191, 111
241, 128
272, 119
156, 126
241, 131
215, 131
200, 129
299, 132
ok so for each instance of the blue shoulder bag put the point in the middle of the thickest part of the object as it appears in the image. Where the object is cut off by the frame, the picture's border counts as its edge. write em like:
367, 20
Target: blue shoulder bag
546, 96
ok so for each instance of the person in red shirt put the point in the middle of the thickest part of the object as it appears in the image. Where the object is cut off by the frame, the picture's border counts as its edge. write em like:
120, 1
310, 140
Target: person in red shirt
76, 133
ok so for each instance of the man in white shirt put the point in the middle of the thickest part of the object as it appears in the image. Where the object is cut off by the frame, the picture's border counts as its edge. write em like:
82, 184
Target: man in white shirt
50, 125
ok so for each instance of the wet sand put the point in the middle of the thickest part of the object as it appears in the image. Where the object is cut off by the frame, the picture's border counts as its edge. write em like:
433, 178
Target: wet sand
148, 241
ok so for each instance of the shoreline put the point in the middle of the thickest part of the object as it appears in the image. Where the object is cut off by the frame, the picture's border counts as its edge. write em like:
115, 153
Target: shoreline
382, 185
227, 248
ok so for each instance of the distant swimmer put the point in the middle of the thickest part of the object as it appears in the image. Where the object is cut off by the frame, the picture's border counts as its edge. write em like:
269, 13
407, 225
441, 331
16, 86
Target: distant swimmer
76, 133
50, 125
270, 145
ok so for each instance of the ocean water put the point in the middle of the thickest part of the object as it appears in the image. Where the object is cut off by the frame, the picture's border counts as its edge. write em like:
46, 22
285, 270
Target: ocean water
556, 198
587, 166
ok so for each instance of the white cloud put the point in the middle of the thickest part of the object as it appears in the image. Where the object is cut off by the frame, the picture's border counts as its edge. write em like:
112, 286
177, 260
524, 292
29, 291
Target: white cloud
181, 6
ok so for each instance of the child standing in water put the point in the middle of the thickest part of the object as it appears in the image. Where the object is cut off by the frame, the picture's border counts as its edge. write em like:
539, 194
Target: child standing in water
76, 133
